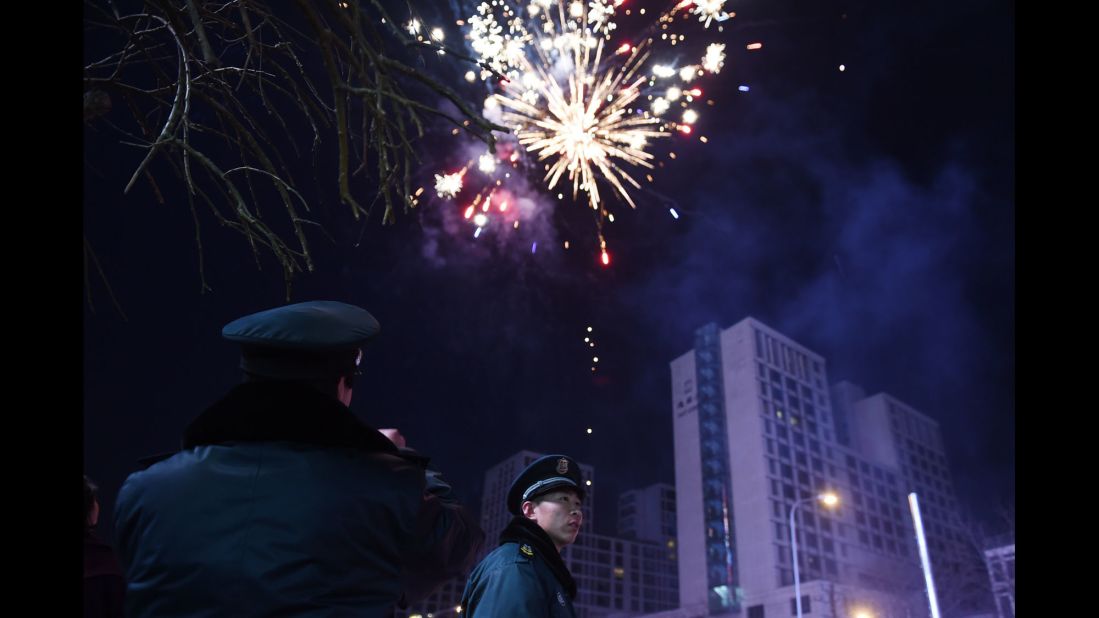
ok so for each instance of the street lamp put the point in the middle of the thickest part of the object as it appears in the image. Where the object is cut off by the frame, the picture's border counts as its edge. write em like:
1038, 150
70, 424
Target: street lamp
862, 613
828, 499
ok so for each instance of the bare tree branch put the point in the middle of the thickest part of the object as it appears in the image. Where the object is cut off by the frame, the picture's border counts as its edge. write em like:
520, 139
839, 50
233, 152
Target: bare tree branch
244, 82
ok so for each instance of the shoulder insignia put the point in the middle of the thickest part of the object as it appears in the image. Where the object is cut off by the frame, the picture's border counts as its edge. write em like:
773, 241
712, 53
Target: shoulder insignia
526, 550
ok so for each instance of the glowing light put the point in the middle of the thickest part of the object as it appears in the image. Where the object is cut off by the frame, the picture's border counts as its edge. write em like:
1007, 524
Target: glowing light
709, 11
576, 9
413, 27
589, 328
743, 88
588, 483
829, 499
480, 219
595, 359
449, 185
469, 212
690, 116
663, 71
471, 76
533, 246
688, 73
714, 58
624, 49
606, 258
660, 105
686, 130
842, 68
438, 34
477, 232
925, 561
675, 215
587, 339
589, 431
486, 163
753, 46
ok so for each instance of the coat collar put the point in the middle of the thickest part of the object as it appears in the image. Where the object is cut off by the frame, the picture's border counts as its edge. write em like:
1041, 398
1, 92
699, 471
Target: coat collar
283, 411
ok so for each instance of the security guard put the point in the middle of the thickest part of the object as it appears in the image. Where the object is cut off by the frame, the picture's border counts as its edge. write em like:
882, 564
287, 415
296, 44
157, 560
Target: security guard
525, 575
283, 503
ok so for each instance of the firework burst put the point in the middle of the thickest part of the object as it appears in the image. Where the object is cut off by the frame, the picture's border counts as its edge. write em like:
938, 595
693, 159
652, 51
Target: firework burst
582, 107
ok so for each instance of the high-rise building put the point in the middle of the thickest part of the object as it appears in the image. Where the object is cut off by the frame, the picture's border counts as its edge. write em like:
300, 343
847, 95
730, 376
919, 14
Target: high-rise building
756, 432
648, 513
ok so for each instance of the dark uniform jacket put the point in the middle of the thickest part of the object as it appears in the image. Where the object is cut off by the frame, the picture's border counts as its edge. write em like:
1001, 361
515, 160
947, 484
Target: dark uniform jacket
282, 503
525, 576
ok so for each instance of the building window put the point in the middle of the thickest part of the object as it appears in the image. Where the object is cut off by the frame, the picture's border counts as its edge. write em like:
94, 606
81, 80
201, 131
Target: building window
805, 607
756, 611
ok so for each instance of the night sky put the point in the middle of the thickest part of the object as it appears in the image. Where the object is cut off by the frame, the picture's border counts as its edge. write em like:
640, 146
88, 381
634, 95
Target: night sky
868, 214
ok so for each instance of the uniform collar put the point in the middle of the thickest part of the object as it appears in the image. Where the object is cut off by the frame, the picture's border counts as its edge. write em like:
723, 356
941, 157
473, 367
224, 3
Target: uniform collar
272, 411
522, 530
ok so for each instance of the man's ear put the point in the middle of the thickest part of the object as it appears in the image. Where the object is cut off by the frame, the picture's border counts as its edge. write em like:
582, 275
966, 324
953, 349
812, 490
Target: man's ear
527, 508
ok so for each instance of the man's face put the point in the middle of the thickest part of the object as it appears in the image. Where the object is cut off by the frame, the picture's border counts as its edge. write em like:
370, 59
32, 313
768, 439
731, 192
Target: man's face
558, 513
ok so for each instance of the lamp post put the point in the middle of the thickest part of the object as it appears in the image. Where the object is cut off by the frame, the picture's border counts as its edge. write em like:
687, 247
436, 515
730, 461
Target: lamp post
827, 499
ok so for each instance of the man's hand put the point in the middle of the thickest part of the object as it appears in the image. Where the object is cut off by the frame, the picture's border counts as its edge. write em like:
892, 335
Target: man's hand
394, 436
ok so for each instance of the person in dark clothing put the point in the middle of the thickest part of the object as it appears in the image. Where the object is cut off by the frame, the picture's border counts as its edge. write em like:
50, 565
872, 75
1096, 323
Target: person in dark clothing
525, 575
283, 503
104, 587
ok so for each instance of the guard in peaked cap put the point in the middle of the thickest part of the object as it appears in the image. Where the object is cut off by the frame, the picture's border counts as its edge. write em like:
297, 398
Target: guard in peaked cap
541, 476
525, 575
311, 506
303, 341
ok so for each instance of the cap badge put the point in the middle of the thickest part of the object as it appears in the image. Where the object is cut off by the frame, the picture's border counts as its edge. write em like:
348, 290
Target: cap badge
562, 466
